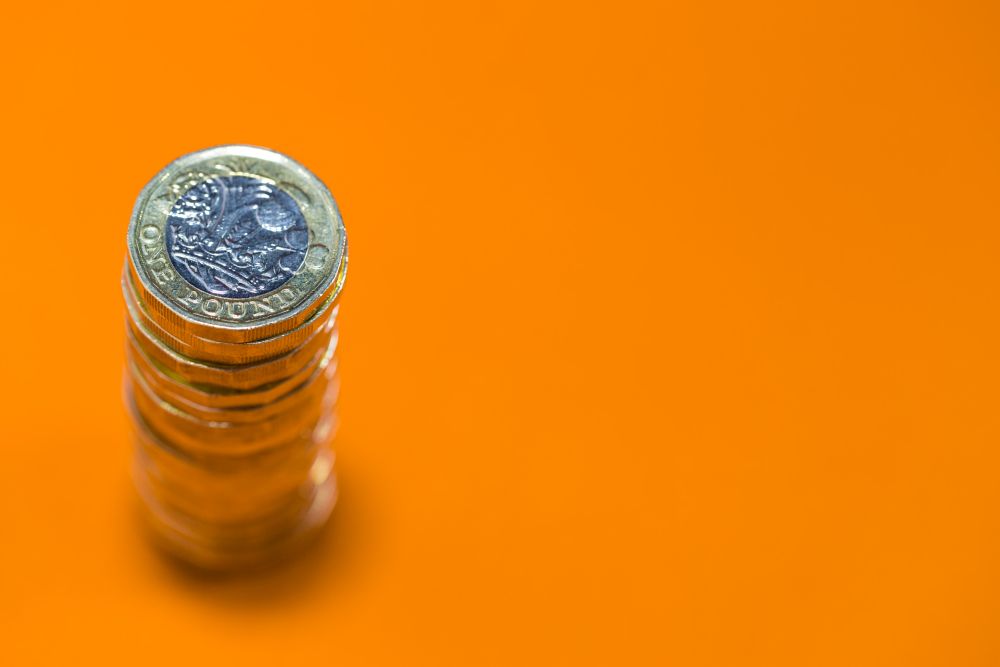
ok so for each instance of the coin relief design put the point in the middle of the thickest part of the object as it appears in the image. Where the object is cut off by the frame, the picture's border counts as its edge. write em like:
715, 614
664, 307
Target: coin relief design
236, 236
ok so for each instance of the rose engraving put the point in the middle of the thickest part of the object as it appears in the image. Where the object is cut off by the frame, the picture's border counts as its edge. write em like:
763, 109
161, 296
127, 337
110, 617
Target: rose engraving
236, 236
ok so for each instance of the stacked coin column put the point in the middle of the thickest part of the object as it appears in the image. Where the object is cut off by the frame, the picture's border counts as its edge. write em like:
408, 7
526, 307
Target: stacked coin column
237, 258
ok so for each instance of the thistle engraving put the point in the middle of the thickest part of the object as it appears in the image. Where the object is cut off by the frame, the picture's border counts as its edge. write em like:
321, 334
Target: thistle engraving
236, 236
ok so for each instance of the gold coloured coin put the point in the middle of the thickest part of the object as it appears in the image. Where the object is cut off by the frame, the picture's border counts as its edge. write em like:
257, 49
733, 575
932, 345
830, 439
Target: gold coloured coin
231, 353
248, 376
222, 397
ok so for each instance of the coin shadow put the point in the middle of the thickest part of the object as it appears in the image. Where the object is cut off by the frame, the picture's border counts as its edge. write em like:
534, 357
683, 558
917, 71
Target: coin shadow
325, 564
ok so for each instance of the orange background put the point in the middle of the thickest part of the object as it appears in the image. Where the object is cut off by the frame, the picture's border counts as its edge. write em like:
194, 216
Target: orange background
670, 335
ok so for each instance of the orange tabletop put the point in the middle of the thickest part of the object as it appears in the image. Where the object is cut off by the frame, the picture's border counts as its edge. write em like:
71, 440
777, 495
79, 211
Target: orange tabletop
670, 335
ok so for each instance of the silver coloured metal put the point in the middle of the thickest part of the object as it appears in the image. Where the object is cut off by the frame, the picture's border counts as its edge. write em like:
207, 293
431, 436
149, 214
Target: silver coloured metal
236, 236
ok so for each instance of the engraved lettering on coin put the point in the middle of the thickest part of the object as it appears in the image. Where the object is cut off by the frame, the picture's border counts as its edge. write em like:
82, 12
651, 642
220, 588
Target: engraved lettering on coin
236, 236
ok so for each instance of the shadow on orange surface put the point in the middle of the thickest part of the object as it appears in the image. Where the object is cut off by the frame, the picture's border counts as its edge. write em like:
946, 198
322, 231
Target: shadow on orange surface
321, 565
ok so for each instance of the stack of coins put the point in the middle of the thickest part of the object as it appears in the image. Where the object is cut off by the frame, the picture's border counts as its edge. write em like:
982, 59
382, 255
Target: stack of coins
236, 260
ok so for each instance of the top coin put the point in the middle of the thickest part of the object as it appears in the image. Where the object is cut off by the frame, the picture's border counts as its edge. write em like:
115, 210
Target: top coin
235, 243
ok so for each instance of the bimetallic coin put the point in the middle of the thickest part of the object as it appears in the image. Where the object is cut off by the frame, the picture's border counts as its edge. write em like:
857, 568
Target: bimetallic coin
294, 401
222, 426
203, 490
235, 244
326, 371
249, 376
169, 385
226, 496
229, 438
232, 353
214, 545
236, 260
